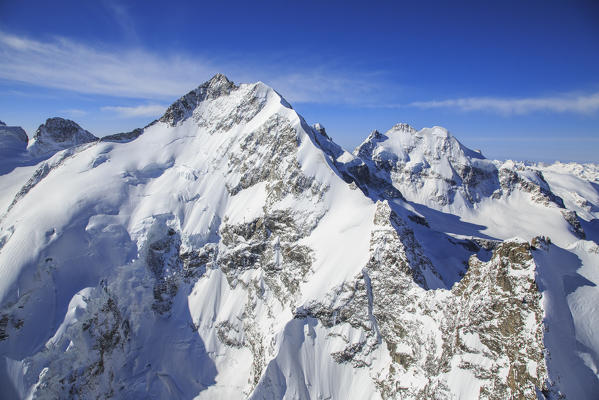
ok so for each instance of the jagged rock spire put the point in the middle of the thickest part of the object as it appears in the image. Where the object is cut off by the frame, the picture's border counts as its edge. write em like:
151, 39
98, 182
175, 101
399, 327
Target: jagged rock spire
218, 85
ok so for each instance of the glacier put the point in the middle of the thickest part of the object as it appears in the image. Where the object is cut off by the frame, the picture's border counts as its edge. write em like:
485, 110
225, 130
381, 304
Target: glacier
231, 250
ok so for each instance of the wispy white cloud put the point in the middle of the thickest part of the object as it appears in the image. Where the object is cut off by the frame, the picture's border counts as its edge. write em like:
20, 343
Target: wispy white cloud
64, 64
148, 110
122, 17
320, 85
584, 104
136, 73
74, 112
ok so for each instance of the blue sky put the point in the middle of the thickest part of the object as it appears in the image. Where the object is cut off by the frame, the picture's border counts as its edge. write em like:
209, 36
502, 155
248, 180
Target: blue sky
516, 79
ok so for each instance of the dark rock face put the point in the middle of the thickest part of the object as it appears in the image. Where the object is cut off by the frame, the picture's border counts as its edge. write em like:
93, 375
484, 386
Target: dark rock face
163, 260
488, 326
270, 244
63, 131
58, 134
123, 137
539, 189
572, 218
218, 86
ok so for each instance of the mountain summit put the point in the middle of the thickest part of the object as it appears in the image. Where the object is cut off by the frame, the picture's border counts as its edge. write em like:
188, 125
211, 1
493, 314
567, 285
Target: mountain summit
218, 86
58, 134
231, 250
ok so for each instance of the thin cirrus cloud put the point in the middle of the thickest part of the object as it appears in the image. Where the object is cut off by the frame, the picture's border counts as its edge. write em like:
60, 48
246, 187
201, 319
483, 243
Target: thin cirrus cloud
582, 104
319, 85
148, 110
134, 73
65, 64
74, 112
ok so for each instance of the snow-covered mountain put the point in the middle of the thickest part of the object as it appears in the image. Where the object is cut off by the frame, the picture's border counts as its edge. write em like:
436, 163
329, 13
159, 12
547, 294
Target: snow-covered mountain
13, 141
230, 250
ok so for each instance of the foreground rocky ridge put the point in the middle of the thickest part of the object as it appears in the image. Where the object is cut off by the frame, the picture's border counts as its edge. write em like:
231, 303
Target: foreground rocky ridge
230, 250
488, 326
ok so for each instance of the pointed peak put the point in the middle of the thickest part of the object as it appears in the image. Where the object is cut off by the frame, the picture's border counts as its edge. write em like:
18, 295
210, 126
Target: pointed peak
375, 134
2, 123
61, 129
57, 134
219, 85
216, 86
219, 79
364, 150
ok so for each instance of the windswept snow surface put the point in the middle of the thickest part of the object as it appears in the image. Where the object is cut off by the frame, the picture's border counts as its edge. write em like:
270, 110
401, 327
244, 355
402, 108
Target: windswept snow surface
230, 250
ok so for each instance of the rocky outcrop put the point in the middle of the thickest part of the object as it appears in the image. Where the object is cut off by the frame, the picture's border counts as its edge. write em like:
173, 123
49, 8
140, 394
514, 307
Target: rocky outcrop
488, 329
181, 109
572, 219
517, 177
123, 137
58, 134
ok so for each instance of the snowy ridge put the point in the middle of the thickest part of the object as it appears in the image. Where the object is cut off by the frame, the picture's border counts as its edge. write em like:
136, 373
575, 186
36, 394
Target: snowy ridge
230, 250
429, 164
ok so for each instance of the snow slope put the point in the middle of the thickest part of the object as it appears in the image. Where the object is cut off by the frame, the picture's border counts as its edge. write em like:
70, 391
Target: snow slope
230, 250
